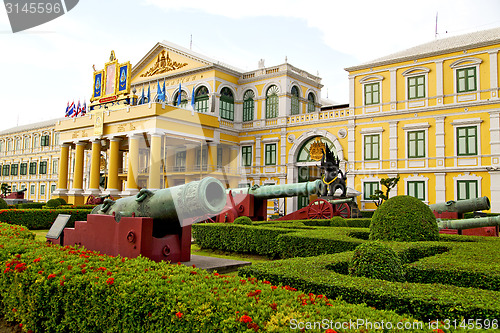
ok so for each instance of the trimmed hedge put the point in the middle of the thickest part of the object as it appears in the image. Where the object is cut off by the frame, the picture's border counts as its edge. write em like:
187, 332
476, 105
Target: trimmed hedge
354, 222
30, 205
49, 288
326, 275
281, 240
36, 219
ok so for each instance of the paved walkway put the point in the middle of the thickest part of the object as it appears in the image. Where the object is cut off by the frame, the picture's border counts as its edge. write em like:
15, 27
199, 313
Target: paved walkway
212, 264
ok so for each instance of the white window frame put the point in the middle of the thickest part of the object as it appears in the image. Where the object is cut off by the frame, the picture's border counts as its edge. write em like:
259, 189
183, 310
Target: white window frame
470, 122
467, 176
412, 72
467, 96
370, 79
417, 178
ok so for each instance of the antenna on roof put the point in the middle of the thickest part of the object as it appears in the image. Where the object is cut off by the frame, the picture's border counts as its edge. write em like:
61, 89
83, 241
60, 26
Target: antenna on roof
191, 43
436, 30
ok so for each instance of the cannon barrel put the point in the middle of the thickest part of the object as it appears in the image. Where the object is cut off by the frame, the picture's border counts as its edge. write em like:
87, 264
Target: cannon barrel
180, 203
490, 221
281, 191
462, 206
341, 201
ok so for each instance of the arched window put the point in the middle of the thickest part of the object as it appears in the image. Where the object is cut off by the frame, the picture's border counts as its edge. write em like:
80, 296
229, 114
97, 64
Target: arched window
310, 103
248, 105
226, 106
184, 99
295, 100
272, 102
201, 99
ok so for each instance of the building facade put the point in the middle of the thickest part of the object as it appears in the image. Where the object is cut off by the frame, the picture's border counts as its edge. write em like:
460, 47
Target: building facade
429, 114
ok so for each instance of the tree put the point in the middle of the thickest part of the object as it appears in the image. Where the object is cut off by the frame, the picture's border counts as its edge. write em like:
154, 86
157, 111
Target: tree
379, 195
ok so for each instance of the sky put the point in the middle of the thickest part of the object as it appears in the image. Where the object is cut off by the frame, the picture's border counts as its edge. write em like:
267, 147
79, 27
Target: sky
43, 68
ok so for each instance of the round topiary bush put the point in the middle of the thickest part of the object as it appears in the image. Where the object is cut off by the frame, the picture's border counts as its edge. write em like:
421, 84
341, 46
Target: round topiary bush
243, 220
61, 200
404, 218
376, 260
53, 203
338, 221
3, 204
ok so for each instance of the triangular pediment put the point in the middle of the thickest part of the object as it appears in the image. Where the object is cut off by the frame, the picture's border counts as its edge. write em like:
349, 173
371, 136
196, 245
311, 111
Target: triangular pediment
167, 59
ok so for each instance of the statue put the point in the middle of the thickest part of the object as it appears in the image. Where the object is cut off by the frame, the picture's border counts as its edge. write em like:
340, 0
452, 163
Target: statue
332, 176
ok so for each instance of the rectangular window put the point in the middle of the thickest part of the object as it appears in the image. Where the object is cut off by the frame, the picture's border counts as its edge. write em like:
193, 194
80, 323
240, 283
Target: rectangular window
467, 141
52, 188
24, 169
42, 189
246, 156
23, 186
32, 168
416, 87
44, 141
14, 188
201, 104
1, 146
14, 169
6, 170
32, 189
18, 144
26, 143
226, 109
219, 157
467, 189
372, 93
369, 189
201, 158
43, 168
271, 154
466, 79
372, 147
180, 161
416, 189
416, 144
55, 166
35, 142
248, 106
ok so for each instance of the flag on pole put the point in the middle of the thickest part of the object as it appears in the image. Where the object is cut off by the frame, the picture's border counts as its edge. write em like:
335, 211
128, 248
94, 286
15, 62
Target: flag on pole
142, 97
192, 100
164, 91
78, 109
149, 93
84, 108
66, 114
71, 112
179, 97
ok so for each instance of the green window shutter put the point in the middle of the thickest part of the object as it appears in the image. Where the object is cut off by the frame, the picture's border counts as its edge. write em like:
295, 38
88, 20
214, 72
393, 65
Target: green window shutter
248, 105
466, 79
271, 154
467, 141
246, 155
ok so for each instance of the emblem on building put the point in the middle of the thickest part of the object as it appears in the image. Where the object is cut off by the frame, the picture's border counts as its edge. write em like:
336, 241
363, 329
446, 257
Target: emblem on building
317, 150
163, 64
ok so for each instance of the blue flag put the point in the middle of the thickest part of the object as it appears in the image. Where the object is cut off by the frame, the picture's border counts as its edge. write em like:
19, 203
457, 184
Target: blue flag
164, 91
158, 90
192, 100
179, 97
142, 97
149, 94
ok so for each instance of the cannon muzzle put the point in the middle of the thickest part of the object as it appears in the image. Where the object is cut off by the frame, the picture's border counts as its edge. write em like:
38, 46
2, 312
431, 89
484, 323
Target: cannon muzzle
462, 206
281, 191
490, 221
341, 201
183, 203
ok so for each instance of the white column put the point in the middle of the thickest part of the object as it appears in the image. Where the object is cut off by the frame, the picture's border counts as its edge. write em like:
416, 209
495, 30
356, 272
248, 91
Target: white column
439, 83
393, 85
440, 187
393, 144
495, 138
440, 143
495, 191
494, 73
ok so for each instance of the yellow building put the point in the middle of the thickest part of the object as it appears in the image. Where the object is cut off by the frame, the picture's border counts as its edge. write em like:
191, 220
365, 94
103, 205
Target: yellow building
29, 159
429, 114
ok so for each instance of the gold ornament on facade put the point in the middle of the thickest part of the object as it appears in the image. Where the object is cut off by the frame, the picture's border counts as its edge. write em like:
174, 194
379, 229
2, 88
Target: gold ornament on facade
317, 150
163, 64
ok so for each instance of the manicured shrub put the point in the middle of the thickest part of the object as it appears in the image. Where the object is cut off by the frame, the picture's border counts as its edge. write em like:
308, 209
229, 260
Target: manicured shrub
61, 200
36, 219
338, 221
404, 218
30, 205
3, 204
377, 261
53, 203
243, 220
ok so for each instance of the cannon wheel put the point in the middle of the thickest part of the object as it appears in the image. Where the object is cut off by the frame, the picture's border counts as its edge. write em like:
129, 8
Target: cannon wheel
90, 200
320, 209
342, 210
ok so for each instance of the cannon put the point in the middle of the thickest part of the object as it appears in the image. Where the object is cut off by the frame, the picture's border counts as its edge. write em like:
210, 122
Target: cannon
322, 209
456, 209
155, 224
252, 201
488, 226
